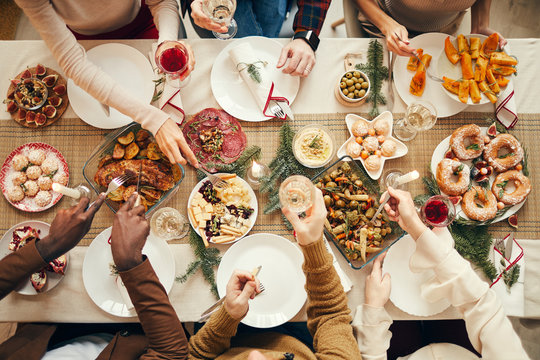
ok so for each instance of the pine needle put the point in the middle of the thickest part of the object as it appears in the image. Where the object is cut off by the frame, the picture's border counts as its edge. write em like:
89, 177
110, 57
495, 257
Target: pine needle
376, 73
240, 166
511, 277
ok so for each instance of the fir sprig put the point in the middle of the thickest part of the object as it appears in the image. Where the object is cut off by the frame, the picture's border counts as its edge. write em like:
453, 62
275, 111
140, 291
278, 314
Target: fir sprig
376, 73
206, 260
511, 277
252, 70
240, 166
157, 83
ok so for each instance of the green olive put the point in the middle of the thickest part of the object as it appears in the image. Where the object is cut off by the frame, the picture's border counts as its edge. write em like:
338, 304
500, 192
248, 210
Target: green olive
356, 93
361, 93
343, 85
355, 80
353, 204
343, 79
357, 86
354, 256
350, 95
351, 89
349, 82
345, 92
340, 203
331, 184
365, 85
327, 200
348, 75
319, 185
357, 74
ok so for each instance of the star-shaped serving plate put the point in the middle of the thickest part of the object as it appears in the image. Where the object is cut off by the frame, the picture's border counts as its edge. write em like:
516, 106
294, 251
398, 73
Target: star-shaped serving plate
401, 148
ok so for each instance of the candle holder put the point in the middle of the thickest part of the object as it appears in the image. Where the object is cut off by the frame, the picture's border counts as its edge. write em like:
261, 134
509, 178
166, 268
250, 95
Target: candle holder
74, 194
255, 173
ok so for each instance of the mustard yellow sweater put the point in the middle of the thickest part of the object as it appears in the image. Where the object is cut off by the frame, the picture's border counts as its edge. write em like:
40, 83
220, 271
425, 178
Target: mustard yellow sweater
328, 321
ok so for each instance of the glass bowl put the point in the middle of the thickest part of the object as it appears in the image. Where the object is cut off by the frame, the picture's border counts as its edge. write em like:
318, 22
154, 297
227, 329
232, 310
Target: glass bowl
106, 148
327, 137
32, 106
372, 189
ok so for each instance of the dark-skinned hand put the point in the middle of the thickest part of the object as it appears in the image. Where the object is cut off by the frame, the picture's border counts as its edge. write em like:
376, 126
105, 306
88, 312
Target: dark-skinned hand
68, 228
129, 232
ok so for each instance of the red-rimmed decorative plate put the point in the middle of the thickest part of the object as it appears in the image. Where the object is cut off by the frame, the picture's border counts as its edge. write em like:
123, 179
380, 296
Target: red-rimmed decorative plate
28, 204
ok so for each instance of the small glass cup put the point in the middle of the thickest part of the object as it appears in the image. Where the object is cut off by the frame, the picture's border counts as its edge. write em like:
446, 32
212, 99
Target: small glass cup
172, 58
390, 178
420, 116
168, 223
222, 12
438, 211
297, 193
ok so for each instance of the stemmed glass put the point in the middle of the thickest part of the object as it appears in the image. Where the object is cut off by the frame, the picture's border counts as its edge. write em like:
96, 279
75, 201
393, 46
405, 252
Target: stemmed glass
168, 223
222, 11
438, 211
172, 58
297, 193
420, 116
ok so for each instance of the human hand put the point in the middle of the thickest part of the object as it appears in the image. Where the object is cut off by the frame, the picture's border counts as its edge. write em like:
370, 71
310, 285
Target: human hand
488, 31
191, 64
377, 285
173, 144
400, 208
68, 228
309, 229
302, 58
242, 287
397, 39
202, 20
129, 232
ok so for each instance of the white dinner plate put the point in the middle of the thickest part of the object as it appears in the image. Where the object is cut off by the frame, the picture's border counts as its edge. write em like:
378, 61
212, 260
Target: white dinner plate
253, 204
401, 148
281, 274
229, 89
100, 284
438, 155
53, 278
126, 66
406, 285
432, 43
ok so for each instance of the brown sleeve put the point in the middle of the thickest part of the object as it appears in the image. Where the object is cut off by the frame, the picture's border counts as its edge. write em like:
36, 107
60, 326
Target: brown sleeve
159, 321
329, 319
18, 266
215, 336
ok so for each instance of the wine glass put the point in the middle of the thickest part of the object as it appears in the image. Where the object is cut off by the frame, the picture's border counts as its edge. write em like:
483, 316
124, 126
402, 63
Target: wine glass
172, 58
168, 223
438, 211
390, 178
420, 116
222, 11
297, 193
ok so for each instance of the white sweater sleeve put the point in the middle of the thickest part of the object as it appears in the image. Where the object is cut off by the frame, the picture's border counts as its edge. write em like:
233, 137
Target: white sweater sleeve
166, 17
370, 326
72, 59
488, 328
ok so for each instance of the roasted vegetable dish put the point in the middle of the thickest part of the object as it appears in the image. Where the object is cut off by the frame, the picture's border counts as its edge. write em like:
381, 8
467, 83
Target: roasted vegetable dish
158, 175
350, 209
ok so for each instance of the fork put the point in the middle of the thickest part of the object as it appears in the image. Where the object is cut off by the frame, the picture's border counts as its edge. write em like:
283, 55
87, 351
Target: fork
115, 184
431, 76
277, 111
215, 180
212, 309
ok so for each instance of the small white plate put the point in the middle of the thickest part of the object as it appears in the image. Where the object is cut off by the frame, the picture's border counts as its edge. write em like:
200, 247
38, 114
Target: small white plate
126, 66
438, 155
281, 274
406, 285
229, 89
432, 43
53, 278
401, 148
100, 284
252, 203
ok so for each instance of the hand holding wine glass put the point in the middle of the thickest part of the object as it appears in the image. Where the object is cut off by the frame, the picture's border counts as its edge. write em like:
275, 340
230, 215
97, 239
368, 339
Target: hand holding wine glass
175, 59
309, 229
401, 209
218, 12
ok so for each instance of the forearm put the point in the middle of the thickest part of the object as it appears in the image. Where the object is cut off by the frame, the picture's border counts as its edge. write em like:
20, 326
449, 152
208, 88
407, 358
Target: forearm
375, 14
311, 15
480, 15
215, 336
328, 313
166, 18
158, 318
18, 266
370, 326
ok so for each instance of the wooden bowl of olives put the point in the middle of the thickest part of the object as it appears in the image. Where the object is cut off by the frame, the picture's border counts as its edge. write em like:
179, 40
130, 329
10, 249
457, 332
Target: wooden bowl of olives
353, 87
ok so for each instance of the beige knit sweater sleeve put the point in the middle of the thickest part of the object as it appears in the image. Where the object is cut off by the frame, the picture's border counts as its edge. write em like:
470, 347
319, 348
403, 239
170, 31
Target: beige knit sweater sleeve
488, 328
72, 59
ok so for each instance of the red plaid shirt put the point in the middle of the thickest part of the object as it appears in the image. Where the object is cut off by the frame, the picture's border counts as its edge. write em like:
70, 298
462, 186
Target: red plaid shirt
310, 15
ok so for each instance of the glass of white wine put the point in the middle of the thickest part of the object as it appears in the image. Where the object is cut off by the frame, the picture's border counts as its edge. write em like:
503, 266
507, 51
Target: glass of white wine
222, 11
420, 116
167, 223
297, 193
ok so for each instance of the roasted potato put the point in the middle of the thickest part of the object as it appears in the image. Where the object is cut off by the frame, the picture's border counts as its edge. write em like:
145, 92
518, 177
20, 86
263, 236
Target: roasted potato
151, 194
118, 152
131, 151
107, 159
116, 195
126, 139
128, 192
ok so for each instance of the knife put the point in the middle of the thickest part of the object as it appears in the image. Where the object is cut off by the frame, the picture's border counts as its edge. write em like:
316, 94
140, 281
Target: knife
286, 108
138, 201
508, 246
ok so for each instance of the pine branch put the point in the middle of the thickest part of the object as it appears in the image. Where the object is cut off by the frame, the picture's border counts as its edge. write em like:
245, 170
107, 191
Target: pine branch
240, 166
512, 276
376, 73
192, 268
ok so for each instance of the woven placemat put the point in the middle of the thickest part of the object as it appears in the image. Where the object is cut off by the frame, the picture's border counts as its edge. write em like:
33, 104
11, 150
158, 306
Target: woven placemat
76, 141
10, 14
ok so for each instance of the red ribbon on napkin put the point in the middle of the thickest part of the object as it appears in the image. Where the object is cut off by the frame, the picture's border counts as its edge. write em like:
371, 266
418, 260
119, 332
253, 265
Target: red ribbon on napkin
176, 110
275, 98
509, 261
505, 110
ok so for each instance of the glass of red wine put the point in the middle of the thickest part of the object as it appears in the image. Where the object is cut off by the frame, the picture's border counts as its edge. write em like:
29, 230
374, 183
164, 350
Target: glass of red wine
172, 58
438, 211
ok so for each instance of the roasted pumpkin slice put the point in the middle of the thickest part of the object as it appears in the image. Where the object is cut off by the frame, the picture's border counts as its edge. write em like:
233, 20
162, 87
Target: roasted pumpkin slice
484, 88
474, 48
466, 66
463, 91
490, 44
474, 91
463, 44
412, 65
131, 151
480, 69
450, 50
501, 58
418, 83
502, 81
127, 139
502, 70
492, 82
451, 85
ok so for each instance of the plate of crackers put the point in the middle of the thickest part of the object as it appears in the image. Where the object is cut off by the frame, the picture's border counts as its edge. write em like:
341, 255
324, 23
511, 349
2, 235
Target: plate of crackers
222, 215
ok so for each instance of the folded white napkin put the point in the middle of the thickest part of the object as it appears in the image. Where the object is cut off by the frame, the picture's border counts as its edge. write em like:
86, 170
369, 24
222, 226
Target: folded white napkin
531, 282
261, 87
170, 100
513, 298
345, 280
124, 293
506, 110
